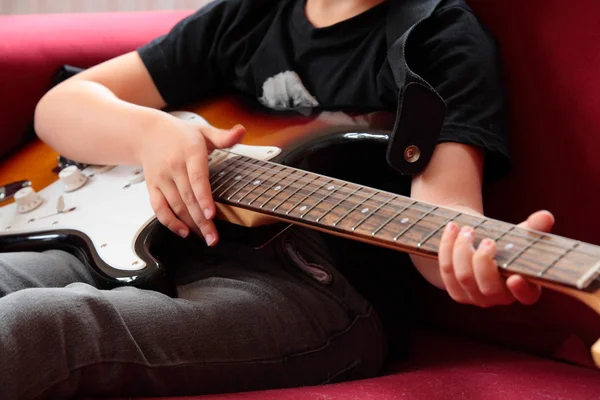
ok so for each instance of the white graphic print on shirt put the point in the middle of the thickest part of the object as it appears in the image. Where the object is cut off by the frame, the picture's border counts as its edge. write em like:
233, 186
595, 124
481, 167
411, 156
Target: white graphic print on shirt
286, 91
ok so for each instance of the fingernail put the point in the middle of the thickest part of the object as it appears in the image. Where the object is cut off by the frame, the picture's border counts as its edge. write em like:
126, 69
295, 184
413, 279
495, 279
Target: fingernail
450, 227
183, 233
207, 213
486, 243
467, 232
210, 239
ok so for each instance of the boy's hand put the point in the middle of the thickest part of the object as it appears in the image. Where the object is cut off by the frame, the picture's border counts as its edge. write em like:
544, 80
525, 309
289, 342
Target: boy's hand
471, 275
175, 163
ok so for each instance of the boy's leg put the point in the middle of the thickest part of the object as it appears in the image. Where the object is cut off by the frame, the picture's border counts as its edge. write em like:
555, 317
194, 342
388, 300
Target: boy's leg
40, 269
279, 317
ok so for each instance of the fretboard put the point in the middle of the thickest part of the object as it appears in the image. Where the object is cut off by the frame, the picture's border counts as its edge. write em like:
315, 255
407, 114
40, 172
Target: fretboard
395, 221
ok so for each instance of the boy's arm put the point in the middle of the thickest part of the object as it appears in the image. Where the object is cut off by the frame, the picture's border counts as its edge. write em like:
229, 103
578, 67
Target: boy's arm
453, 179
110, 114
103, 114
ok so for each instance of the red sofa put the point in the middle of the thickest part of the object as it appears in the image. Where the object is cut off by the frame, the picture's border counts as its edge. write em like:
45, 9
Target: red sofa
551, 60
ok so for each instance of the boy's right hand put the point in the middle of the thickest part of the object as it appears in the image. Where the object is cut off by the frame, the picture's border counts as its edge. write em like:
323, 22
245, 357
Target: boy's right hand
175, 163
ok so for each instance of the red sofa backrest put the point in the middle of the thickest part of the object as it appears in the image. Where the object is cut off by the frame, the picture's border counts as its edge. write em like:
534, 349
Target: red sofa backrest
551, 56
33, 47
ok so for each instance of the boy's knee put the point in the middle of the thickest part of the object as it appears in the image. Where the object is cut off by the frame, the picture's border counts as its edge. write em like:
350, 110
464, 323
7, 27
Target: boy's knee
43, 312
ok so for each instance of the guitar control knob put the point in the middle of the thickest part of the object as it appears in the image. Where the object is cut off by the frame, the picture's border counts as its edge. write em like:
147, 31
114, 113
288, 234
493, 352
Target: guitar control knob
27, 200
72, 178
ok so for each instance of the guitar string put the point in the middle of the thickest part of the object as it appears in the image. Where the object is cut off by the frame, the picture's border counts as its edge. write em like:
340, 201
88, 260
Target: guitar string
241, 163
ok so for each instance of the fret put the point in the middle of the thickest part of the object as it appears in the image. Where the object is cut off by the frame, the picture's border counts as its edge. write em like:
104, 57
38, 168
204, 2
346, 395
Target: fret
537, 254
331, 190
356, 206
480, 223
557, 259
413, 224
298, 203
239, 178
430, 232
293, 193
370, 214
279, 170
307, 196
434, 232
390, 219
246, 180
256, 182
576, 268
281, 189
228, 176
338, 203
497, 238
521, 252
223, 171
517, 252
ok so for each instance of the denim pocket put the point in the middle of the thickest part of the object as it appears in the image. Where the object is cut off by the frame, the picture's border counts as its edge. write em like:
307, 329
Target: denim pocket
308, 255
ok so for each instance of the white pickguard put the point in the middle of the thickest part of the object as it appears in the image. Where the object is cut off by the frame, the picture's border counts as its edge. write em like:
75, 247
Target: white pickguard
107, 210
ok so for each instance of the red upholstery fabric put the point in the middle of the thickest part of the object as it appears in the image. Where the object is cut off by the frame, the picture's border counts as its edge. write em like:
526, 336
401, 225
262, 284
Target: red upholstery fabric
32, 48
448, 368
551, 58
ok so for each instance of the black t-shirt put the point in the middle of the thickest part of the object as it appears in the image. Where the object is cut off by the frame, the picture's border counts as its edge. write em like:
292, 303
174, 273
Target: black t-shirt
269, 51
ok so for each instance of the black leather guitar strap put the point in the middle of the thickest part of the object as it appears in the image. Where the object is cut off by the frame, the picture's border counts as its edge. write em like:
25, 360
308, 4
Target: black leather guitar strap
421, 110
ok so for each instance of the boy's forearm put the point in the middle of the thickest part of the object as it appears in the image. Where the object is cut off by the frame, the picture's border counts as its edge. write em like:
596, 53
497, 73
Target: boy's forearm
85, 121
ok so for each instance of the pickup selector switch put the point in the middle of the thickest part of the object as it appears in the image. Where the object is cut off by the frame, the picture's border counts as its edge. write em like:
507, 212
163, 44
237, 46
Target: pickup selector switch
72, 178
27, 200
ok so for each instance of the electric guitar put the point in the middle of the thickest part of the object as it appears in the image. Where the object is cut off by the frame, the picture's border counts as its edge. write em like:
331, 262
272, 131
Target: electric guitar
103, 213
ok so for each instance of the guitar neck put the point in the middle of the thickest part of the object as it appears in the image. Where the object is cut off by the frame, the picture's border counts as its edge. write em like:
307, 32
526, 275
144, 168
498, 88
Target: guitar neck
394, 221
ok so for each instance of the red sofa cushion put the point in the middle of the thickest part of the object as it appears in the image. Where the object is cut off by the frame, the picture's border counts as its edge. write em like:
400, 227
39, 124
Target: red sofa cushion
445, 367
29, 59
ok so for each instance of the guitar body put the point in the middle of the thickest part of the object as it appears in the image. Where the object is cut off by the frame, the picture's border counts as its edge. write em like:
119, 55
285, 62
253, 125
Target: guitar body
109, 223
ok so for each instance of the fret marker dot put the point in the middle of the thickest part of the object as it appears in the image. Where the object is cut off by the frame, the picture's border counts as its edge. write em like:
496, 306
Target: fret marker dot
331, 187
303, 208
239, 177
405, 220
509, 246
364, 210
221, 173
277, 188
255, 183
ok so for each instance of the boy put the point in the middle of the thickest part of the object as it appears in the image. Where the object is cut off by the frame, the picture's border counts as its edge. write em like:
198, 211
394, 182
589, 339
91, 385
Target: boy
253, 319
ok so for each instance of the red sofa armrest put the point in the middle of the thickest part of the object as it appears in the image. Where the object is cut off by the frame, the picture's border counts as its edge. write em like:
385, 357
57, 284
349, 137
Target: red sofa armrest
34, 47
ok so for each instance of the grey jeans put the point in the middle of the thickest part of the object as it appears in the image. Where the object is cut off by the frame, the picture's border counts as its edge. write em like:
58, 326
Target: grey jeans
244, 319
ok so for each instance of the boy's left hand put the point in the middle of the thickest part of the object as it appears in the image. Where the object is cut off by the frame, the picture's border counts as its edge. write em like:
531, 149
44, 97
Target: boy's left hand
471, 275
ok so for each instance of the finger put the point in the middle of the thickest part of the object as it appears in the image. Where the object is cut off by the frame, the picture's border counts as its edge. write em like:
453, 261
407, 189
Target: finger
164, 214
462, 259
222, 138
487, 276
540, 221
177, 205
524, 291
198, 178
454, 289
206, 226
